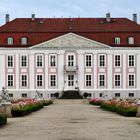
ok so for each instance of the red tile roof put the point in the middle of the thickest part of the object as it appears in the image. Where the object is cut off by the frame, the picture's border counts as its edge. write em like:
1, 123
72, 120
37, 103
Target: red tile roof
70, 25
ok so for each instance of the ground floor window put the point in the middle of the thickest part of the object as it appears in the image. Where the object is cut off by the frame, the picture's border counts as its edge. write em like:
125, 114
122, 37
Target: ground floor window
88, 80
100, 95
53, 80
10, 95
23, 80
117, 80
10, 80
131, 80
39, 80
131, 95
24, 95
102, 80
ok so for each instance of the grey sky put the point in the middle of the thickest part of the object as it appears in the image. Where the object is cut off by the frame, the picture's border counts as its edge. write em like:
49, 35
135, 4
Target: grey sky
66, 8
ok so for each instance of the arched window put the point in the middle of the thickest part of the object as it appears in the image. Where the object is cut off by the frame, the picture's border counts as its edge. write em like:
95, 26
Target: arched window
24, 41
10, 41
131, 40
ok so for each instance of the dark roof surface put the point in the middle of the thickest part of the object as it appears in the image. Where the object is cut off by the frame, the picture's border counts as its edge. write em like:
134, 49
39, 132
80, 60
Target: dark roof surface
70, 25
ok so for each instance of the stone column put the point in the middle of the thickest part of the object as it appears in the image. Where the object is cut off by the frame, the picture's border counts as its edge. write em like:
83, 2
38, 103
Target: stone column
138, 109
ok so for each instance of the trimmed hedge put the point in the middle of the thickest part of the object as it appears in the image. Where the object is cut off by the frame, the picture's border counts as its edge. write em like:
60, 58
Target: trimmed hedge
129, 112
95, 103
26, 110
3, 119
47, 102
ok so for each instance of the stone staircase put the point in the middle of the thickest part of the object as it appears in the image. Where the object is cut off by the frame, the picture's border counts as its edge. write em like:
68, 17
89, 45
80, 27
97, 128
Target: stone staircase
71, 95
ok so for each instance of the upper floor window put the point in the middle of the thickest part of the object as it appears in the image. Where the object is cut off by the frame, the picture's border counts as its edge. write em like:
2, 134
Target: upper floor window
10, 61
88, 60
131, 80
102, 61
39, 61
24, 61
117, 40
10, 41
10, 81
102, 80
52, 80
71, 60
117, 60
39, 80
24, 80
53, 61
131, 60
24, 41
117, 80
131, 40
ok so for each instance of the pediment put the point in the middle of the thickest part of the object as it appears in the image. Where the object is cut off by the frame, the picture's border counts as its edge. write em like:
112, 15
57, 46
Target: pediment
71, 40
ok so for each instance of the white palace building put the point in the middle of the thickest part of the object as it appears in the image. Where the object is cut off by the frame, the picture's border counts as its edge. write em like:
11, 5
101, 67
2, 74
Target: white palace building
98, 56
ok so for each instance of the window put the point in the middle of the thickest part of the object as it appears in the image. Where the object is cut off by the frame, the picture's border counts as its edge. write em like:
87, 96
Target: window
24, 80
10, 81
131, 95
24, 95
70, 60
117, 95
10, 61
117, 60
131, 60
10, 41
53, 80
102, 80
88, 60
100, 95
39, 61
24, 41
53, 61
131, 80
102, 60
131, 40
10, 95
88, 80
39, 80
117, 40
23, 61
117, 80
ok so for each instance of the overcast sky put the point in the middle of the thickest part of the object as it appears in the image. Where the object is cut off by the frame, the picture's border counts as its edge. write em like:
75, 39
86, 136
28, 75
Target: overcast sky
66, 8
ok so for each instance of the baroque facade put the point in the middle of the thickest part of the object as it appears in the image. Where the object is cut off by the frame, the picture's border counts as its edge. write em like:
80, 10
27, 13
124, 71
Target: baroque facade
100, 56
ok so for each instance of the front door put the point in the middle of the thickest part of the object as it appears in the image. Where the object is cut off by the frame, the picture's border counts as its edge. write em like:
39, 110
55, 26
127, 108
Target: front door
70, 82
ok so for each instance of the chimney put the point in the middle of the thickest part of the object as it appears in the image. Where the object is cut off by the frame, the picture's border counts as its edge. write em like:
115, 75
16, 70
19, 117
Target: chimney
135, 18
33, 17
108, 19
7, 19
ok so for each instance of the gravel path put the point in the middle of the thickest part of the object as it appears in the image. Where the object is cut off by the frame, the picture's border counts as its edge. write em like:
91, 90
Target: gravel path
71, 120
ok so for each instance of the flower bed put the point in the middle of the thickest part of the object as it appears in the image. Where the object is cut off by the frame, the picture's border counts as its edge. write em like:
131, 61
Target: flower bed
122, 107
22, 107
3, 119
95, 101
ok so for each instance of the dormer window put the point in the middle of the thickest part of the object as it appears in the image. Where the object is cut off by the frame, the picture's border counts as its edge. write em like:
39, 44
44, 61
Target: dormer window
117, 40
10, 41
131, 40
24, 41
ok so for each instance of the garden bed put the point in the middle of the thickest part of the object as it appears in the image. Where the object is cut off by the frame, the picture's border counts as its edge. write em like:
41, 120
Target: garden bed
3, 119
125, 107
26, 106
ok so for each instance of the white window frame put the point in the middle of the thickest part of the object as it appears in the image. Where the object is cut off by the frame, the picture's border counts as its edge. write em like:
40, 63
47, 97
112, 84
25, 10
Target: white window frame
21, 61
117, 40
102, 61
88, 80
10, 40
70, 62
53, 80
39, 80
88, 62
51, 61
39, 60
131, 61
102, 80
117, 60
132, 80
10, 80
131, 40
117, 80
24, 40
24, 80
10, 60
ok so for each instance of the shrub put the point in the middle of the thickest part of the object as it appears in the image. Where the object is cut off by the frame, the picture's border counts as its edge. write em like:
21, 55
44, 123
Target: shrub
95, 101
3, 119
47, 102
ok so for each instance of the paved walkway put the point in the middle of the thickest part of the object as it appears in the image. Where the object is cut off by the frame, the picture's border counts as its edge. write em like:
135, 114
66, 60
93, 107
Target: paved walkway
71, 120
